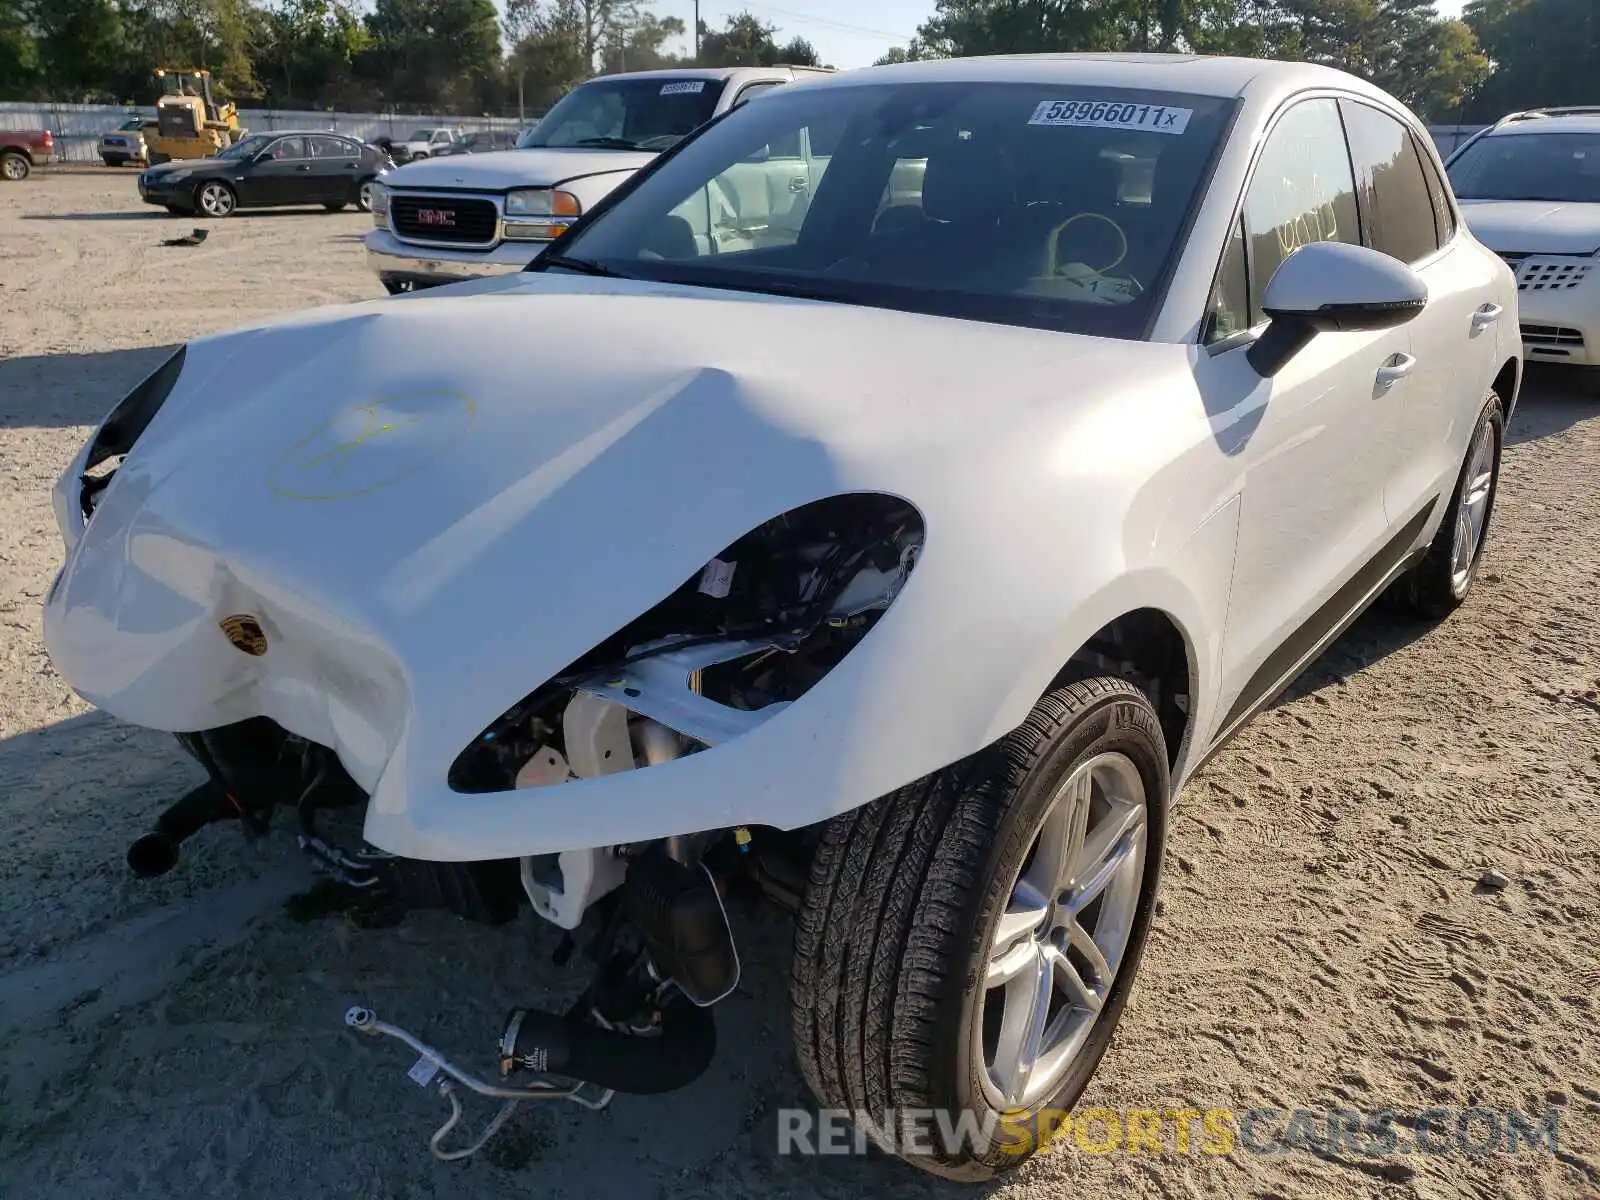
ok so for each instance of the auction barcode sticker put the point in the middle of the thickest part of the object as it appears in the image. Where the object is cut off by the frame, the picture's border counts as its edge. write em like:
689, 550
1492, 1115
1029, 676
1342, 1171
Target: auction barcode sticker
683, 87
1112, 114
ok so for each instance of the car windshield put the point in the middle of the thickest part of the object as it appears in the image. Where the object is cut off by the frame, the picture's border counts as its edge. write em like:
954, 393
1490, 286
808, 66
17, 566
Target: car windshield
1530, 166
627, 114
1058, 207
247, 146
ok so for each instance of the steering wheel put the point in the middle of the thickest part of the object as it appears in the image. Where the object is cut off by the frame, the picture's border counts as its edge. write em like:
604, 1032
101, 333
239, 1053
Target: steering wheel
1052, 253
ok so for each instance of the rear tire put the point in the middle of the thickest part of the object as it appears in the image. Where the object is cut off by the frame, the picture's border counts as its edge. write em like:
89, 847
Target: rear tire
900, 931
14, 167
1438, 585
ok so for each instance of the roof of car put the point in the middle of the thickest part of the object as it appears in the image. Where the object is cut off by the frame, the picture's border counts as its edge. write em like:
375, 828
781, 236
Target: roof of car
708, 72
1556, 122
1194, 73
306, 133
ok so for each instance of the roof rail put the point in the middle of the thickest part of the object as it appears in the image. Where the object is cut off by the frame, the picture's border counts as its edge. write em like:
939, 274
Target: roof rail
1533, 114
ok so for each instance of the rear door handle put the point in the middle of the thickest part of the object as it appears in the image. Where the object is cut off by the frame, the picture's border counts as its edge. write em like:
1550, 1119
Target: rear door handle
1486, 316
1396, 368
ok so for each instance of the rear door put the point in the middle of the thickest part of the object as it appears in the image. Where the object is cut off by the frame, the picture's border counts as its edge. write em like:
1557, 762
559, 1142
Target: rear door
1453, 341
335, 167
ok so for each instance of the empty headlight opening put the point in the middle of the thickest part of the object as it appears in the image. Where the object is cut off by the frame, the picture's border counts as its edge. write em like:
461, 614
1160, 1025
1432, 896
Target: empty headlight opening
123, 427
749, 633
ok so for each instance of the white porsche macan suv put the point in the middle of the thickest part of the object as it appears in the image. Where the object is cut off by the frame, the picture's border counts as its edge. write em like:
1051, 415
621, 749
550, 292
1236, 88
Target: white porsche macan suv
1529, 188
900, 553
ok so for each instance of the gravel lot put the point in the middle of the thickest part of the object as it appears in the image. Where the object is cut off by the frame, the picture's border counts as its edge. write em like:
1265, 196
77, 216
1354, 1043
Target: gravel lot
1322, 938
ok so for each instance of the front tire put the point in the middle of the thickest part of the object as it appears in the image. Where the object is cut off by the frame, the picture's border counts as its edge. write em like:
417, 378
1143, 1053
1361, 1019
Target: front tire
1438, 585
364, 196
967, 943
215, 199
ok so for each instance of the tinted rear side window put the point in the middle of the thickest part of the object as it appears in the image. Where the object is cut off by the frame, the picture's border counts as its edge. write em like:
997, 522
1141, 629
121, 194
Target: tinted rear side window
1444, 217
1392, 188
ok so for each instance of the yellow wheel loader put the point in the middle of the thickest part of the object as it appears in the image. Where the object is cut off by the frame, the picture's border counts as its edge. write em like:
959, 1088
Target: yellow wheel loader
189, 121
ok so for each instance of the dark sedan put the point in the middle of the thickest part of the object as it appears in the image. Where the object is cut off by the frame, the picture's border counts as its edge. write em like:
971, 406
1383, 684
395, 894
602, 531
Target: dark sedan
269, 170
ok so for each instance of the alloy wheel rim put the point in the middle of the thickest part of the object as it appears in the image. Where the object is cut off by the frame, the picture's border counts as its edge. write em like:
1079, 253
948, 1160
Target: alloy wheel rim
1057, 948
1472, 515
366, 195
13, 168
215, 200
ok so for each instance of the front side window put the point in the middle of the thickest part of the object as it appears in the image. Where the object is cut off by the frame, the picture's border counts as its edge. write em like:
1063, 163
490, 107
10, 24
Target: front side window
1562, 167
1391, 184
1058, 207
754, 90
1302, 192
287, 148
247, 147
628, 114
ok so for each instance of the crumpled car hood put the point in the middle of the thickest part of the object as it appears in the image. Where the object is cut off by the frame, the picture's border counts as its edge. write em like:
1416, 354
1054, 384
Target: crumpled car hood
434, 503
1534, 226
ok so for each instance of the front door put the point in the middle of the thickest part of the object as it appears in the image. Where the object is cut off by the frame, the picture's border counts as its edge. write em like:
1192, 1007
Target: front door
1312, 443
279, 175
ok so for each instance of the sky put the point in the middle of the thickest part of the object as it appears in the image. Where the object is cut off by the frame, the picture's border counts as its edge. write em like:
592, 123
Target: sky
846, 33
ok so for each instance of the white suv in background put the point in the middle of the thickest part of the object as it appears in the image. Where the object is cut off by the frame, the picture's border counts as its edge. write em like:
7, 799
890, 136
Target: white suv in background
455, 218
1529, 188
425, 143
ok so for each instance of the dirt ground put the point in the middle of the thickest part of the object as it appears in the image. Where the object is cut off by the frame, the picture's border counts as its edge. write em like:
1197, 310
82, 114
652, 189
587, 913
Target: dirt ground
1322, 939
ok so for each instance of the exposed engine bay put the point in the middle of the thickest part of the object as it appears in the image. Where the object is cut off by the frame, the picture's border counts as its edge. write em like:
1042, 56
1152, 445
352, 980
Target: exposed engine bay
744, 637
753, 630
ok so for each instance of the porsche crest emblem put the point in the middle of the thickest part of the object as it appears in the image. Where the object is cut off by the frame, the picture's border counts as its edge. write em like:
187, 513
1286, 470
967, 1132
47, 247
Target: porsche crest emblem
245, 632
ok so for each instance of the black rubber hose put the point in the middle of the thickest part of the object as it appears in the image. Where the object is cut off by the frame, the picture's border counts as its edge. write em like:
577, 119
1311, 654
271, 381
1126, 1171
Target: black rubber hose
156, 852
640, 1066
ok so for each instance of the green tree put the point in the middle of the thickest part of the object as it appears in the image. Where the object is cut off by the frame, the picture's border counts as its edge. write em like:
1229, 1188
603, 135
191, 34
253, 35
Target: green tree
968, 27
19, 53
308, 50
216, 34
79, 46
435, 52
746, 41
1546, 52
912, 51
640, 47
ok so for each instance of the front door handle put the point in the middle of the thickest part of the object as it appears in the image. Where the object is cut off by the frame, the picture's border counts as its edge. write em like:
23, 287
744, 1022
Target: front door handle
1394, 369
1486, 316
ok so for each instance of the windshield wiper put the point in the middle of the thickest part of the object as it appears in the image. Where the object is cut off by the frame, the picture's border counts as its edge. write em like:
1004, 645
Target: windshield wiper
607, 143
583, 266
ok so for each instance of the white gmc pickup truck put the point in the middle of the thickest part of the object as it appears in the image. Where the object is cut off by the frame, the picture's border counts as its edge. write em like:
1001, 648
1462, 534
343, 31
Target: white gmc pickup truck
452, 218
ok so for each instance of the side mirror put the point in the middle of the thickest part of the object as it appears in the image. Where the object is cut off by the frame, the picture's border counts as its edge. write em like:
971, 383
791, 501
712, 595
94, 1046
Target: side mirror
1327, 287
